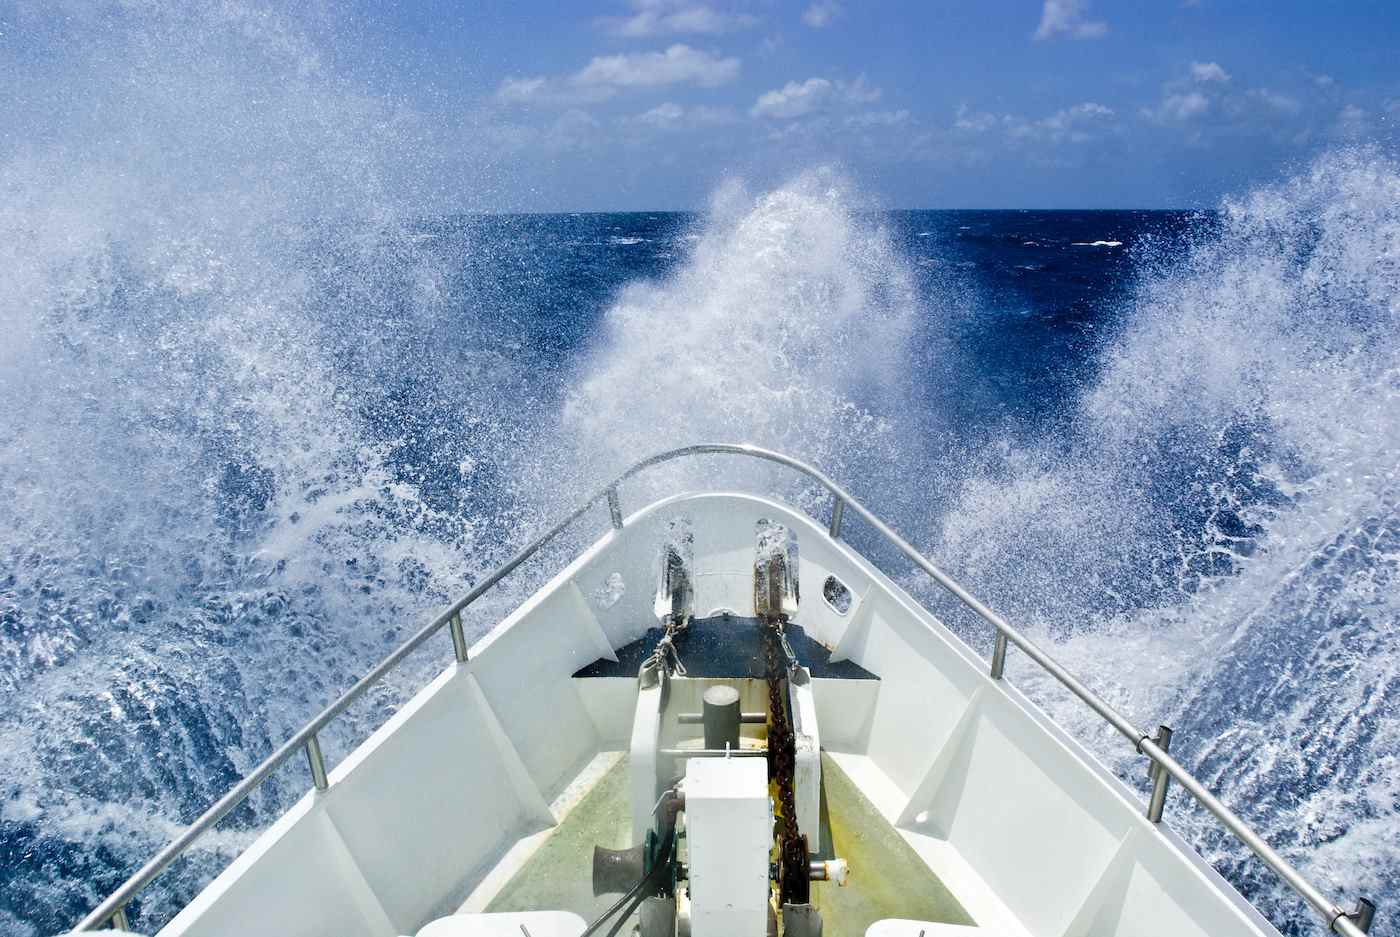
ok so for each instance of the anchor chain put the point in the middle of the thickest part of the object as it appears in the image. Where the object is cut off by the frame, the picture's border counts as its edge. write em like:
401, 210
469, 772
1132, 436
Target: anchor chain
794, 882
665, 655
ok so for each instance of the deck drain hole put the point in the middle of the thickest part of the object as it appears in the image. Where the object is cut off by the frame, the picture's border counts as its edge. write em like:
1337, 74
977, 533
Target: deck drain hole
836, 595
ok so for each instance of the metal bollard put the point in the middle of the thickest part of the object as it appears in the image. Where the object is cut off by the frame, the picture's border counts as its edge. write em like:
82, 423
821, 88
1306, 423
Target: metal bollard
721, 717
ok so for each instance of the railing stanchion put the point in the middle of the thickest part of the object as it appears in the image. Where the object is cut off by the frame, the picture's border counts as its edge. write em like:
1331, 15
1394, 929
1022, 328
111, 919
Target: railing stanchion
459, 639
999, 655
1160, 778
119, 921
317, 763
615, 508
838, 508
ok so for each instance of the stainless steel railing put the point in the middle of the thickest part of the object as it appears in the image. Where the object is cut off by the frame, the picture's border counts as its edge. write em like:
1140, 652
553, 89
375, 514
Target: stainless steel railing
1351, 924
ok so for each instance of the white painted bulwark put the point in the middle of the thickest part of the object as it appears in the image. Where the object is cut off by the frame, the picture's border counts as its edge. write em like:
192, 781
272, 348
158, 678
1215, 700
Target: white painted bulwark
1030, 833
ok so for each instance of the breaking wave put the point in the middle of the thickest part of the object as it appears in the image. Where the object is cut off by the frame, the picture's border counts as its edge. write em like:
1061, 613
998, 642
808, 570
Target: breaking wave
1226, 503
789, 323
209, 527
256, 422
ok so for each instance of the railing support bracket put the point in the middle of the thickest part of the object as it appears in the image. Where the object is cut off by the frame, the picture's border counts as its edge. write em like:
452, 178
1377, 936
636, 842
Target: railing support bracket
615, 508
459, 638
1362, 917
999, 655
838, 509
317, 763
1160, 778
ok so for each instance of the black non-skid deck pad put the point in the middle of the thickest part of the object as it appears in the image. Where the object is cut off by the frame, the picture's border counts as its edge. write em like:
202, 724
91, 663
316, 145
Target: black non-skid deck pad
726, 646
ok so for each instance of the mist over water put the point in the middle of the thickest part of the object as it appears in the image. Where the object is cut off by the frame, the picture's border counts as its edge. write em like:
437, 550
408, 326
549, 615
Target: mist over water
260, 413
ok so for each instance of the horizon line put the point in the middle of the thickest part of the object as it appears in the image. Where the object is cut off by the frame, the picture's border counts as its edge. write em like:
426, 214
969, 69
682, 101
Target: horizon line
699, 211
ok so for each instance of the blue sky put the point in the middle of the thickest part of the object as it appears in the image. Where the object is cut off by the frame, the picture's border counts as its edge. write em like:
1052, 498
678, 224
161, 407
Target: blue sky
642, 104
543, 105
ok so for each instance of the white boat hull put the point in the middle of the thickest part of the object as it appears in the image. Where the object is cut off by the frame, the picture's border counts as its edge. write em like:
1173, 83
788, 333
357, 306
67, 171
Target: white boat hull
451, 797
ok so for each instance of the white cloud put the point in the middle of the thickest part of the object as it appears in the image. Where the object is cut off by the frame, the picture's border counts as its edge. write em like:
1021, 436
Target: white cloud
969, 122
879, 119
705, 116
1179, 107
859, 92
1274, 102
672, 116
680, 64
604, 76
663, 115
521, 90
793, 99
821, 13
1206, 104
1077, 124
796, 99
1073, 123
1069, 18
1208, 71
540, 90
674, 17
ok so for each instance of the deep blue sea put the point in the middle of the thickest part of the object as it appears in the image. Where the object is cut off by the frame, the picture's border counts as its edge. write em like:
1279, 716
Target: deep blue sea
262, 413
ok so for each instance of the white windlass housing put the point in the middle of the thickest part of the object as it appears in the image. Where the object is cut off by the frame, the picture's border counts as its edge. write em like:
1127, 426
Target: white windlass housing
729, 824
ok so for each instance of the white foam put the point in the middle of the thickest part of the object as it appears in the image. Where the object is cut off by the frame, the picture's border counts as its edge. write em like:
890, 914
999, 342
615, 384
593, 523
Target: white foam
177, 388
786, 311
1256, 382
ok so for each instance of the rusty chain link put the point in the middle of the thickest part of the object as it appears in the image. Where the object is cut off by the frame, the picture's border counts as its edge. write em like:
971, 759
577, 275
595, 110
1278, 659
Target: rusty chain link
794, 882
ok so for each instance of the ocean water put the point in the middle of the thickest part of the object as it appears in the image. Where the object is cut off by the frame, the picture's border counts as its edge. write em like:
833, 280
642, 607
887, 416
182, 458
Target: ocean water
261, 414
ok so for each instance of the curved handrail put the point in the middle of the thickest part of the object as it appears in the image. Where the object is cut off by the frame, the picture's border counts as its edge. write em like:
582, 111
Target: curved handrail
113, 908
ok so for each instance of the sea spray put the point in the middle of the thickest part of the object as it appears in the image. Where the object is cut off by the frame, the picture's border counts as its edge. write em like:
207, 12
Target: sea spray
1215, 541
258, 422
787, 324
206, 535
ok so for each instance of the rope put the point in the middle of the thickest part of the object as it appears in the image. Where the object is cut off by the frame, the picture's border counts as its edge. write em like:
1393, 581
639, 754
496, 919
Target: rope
665, 653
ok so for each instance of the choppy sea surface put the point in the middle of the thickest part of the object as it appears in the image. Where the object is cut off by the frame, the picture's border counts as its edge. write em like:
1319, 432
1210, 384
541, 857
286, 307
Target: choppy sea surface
259, 418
